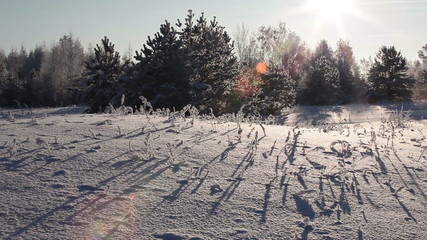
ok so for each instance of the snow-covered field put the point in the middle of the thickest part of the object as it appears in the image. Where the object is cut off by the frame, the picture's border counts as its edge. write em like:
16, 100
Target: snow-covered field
326, 173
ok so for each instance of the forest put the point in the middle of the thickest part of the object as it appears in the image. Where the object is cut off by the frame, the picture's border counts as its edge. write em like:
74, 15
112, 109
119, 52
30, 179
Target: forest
210, 135
196, 61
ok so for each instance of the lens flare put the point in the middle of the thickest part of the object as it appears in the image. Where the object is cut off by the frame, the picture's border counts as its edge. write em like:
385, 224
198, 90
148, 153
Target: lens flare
106, 217
261, 68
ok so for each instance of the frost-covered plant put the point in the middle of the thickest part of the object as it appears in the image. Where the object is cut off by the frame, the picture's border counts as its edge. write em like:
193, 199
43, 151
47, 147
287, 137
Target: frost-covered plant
171, 151
341, 148
146, 107
33, 121
12, 149
11, 118
121, 110
42, 142
92, 134
399, 118
120, 131
147, 146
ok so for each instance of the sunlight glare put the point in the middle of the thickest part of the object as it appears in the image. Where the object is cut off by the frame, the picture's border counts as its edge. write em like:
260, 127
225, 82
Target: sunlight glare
332, 9
331, 12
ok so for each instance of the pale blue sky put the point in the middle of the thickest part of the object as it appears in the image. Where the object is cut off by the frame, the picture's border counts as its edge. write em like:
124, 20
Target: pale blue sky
376, 22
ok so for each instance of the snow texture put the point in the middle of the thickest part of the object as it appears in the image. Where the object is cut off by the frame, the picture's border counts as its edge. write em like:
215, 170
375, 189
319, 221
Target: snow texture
354, 172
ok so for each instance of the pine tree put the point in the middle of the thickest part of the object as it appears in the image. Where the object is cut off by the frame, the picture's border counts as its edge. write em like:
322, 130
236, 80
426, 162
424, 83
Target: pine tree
159, 72
421, 84
103, 70
321, 85
3, 80
209, 61
193, 64
12, 92
11, 89
387, 77
278, 92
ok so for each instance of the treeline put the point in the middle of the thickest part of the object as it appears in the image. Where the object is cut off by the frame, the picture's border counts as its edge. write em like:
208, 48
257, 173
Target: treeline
196, 62
44, 76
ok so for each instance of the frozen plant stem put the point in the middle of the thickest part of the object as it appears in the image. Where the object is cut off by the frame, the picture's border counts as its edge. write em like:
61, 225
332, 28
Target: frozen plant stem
422, 153
171, 148
263, 129
41, 141
12, 149
147, 145
92, 133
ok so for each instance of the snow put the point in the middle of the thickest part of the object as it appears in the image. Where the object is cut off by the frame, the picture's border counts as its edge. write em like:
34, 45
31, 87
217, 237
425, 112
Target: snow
341, 172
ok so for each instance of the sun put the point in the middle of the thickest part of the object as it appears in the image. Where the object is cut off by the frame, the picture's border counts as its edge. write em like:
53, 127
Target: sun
331, 9
331, 13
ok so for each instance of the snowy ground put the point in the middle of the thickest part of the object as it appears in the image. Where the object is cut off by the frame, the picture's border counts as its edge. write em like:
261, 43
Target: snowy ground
327, 173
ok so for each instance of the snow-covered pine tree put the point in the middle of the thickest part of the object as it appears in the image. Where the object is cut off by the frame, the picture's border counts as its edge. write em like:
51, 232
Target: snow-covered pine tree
322, 84
387, 77
209, 61
159, 72
103, 70
194, 64
278, 92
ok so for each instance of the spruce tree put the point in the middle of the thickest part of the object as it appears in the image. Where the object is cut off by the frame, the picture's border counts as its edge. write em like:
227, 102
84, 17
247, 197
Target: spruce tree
103, 70
387, 77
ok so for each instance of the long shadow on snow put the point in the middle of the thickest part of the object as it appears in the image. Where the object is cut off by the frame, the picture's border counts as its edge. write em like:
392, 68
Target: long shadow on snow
14, 165
381, 163
267, 196
225, 196
304, 207
116, 227
141, 177
414, 181
407, 211
249, 157
343, 202
413, 110
36, 221
48, 160
185, 184
315, 115
138, 132
99, 164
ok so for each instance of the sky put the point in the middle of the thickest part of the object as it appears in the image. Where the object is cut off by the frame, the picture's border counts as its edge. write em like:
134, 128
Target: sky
366, 24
